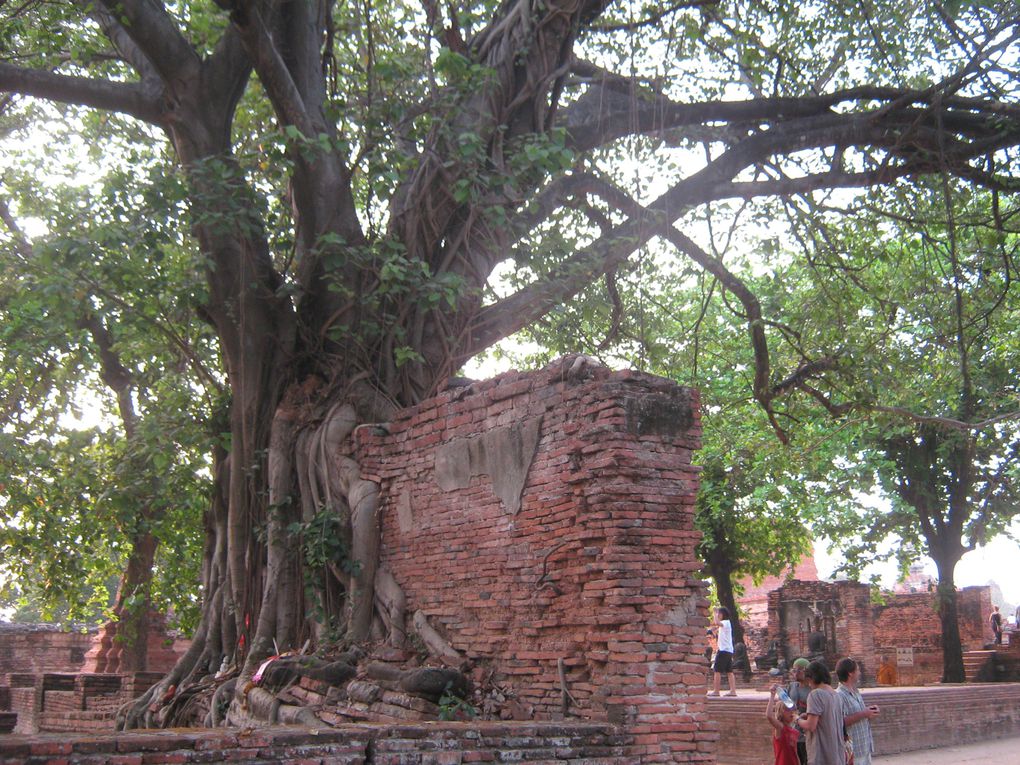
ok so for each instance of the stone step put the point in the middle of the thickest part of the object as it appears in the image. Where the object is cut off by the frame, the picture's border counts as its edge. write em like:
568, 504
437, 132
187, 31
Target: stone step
973, 661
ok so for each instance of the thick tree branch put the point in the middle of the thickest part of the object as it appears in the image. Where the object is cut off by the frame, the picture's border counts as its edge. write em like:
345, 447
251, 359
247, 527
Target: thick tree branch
112, 371
283, 92
126, 98
615, 106
652, 18
126, 48
156, 34
228, 69
515, 312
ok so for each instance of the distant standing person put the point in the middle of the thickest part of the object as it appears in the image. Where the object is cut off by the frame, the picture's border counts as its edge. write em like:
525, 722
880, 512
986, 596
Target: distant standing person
996, 621
724, 655
886, 672
823, 720
856, 714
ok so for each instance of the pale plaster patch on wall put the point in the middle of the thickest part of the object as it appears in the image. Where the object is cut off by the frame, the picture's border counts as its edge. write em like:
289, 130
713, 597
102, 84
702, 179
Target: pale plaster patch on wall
504, 454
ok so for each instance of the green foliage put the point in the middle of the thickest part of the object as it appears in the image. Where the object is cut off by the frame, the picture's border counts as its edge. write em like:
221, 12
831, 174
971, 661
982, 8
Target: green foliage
323, 542
79, 482
324, 548
453, 707
438, 161
918, 301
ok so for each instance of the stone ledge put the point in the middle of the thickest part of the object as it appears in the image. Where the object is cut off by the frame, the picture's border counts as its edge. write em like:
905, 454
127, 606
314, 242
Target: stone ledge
912, 718
357, 744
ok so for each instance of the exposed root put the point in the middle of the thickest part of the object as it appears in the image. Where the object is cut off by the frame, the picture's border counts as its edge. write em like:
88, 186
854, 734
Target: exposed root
391, 605
436, 643
566, 697
221, 703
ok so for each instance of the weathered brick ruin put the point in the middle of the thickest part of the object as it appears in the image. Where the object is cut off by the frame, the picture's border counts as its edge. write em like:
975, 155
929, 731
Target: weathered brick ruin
49, 678
106, 652
544, 524
38, 648
905, 626
837, 612
909, 621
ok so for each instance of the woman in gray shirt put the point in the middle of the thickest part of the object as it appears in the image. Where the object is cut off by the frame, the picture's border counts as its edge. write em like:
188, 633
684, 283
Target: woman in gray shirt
823, 721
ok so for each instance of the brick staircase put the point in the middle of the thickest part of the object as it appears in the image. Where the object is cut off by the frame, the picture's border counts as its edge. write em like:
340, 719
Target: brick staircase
974, 662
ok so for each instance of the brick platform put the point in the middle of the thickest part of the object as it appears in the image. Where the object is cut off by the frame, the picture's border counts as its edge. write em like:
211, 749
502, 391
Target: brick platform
911, 719
427, 744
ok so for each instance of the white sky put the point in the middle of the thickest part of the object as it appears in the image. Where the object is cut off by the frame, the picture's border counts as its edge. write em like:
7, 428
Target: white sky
998, 562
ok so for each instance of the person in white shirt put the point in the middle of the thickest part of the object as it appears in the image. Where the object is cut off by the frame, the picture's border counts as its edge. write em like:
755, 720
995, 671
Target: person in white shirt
724, 655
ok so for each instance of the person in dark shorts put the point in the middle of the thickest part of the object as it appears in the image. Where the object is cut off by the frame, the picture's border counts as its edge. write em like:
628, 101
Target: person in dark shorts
724, 655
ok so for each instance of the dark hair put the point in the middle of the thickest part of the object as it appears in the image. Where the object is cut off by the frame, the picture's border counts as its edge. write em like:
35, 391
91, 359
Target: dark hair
724, 612
844, 667
818, 673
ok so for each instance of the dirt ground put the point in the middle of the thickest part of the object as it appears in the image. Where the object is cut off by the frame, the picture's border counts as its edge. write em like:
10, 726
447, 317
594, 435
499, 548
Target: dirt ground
1000, 751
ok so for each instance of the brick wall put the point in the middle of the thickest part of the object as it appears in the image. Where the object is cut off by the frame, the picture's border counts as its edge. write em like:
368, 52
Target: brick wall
910, 719
42, 682
866, 631
909, 620
106, 653
41, 648
36, 648
588, 582
72, 702
435, 744
754, 603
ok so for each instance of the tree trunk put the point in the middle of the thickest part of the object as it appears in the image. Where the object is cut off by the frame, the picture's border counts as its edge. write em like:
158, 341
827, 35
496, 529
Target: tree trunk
935, 477
952, 647
133, 605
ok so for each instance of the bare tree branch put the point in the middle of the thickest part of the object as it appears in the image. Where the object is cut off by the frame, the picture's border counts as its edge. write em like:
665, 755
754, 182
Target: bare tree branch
946, 422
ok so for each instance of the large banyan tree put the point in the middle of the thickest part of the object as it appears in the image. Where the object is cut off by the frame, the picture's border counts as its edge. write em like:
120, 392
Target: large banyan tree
381, 190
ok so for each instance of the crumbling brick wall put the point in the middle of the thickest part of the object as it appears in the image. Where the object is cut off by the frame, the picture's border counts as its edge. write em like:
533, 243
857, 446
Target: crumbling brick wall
866, 631
47, 676
544, 524
842, 610
32, 648
909, 620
